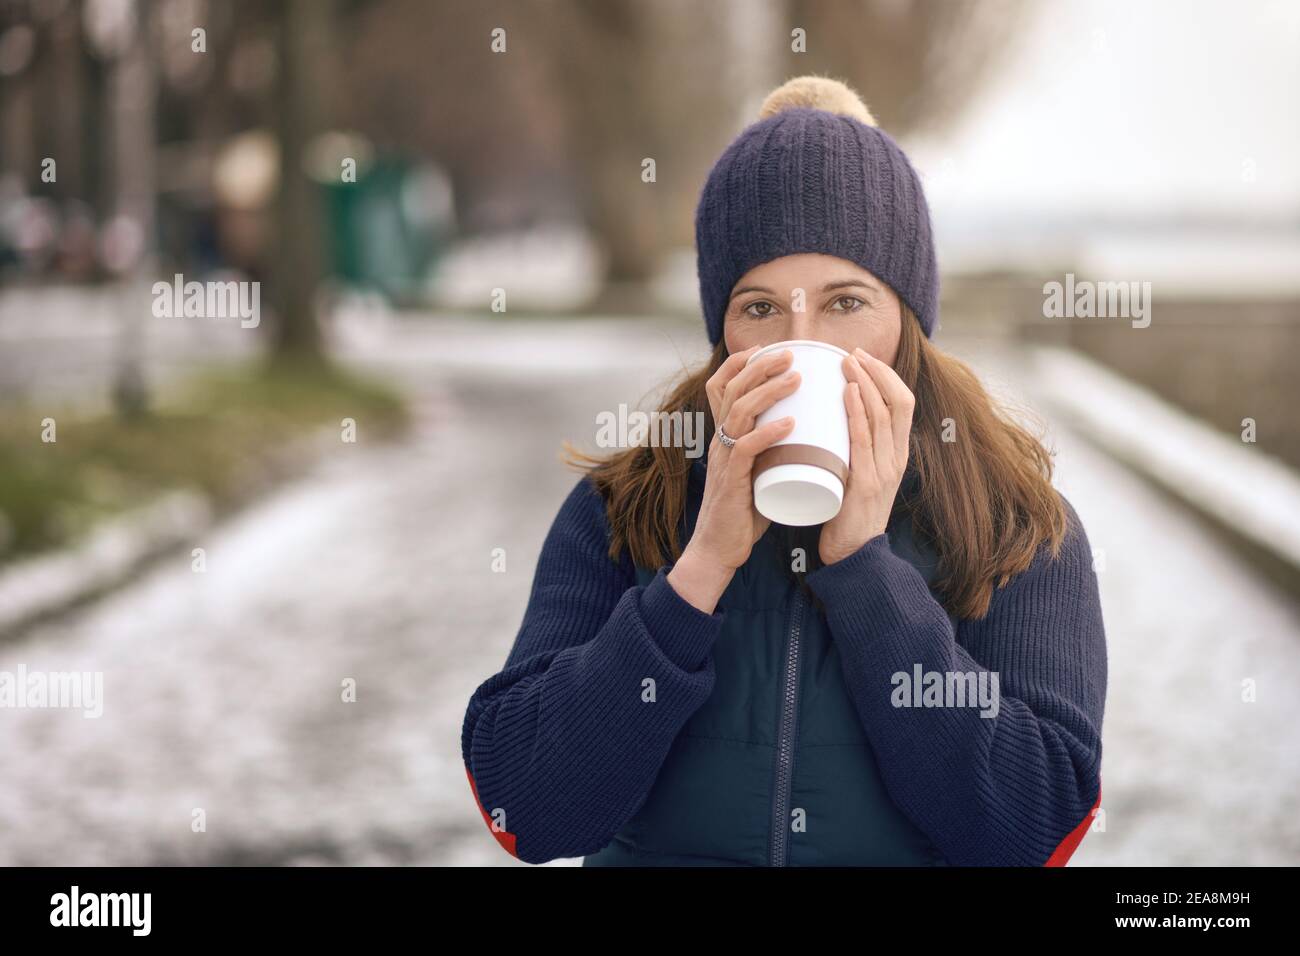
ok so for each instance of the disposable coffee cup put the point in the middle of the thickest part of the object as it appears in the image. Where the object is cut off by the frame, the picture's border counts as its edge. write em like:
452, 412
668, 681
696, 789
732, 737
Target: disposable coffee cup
800, 480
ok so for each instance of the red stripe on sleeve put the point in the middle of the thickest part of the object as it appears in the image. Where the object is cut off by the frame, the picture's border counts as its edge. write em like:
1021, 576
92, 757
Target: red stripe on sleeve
1071, 843
504, 837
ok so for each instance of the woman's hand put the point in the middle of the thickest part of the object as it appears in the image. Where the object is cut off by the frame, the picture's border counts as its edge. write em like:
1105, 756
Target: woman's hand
880, 423
728, 523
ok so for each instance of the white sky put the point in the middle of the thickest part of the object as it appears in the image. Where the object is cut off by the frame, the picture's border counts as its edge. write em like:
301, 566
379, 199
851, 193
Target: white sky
1131, 109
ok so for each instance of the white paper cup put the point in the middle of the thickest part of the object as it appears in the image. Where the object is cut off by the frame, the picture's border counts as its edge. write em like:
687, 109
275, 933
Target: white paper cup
800, 480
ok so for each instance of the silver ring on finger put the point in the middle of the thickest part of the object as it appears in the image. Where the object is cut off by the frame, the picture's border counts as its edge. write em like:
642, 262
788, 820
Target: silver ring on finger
723, 437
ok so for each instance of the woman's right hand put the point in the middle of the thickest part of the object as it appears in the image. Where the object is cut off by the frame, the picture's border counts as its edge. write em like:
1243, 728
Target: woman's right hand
728, 524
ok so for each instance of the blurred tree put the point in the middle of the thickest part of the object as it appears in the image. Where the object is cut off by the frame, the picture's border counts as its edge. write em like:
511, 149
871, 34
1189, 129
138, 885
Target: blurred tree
640, 81
916, 63
665, 80
562, 118
119, 34
422, 77
303, 31
557, 122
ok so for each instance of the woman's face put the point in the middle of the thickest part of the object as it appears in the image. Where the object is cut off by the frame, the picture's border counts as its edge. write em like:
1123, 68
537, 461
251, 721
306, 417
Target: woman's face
814, 296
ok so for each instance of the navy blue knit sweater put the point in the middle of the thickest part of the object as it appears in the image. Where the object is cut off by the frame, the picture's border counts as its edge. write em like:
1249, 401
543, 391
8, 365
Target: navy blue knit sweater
556, 737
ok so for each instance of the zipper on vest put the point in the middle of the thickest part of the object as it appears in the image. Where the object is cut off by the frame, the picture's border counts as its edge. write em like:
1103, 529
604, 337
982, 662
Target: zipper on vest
785, 737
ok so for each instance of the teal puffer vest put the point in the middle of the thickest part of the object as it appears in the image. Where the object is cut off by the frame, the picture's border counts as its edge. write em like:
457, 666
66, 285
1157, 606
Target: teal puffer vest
775, 768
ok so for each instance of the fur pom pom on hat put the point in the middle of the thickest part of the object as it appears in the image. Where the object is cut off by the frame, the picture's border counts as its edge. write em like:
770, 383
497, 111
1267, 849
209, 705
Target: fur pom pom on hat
818, 93
815, 174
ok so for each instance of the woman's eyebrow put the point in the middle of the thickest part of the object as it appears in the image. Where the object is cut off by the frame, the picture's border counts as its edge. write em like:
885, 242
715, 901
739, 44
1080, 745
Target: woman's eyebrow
848, 284
752, 288
828, 287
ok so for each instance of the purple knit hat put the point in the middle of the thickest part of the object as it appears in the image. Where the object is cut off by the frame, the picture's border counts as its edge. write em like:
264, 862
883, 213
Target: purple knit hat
815, 175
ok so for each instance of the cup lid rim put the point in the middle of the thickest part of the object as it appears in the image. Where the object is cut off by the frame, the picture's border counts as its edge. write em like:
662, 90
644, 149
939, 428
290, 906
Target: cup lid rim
789, 342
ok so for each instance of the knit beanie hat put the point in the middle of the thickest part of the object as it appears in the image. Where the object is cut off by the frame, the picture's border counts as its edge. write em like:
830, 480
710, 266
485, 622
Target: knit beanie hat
815, 174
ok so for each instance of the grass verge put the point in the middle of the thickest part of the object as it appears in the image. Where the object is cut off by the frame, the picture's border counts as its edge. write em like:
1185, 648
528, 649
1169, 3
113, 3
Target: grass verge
225, 433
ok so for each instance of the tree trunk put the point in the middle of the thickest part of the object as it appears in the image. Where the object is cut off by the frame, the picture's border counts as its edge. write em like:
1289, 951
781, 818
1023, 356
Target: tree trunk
297, 265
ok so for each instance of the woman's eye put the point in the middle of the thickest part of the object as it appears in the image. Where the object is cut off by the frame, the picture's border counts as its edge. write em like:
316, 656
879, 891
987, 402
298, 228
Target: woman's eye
765, 309
847, 303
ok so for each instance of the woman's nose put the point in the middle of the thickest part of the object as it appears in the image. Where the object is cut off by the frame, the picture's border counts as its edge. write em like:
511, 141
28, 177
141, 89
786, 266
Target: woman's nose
801, 325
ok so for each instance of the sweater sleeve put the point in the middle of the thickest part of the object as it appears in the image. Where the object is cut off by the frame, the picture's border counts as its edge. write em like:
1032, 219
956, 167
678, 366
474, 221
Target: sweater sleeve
1015, 788
562, 745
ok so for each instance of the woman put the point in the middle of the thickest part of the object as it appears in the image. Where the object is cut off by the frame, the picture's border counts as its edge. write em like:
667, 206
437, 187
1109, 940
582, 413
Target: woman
918, 681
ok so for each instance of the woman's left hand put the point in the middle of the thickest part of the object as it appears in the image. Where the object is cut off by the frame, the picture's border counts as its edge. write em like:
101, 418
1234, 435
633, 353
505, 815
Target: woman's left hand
880, 423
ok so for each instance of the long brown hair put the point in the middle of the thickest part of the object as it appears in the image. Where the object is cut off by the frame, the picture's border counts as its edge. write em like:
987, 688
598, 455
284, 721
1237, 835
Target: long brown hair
984, 498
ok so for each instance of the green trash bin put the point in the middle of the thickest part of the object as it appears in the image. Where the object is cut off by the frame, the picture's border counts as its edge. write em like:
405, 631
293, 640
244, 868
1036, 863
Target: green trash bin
388, 228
